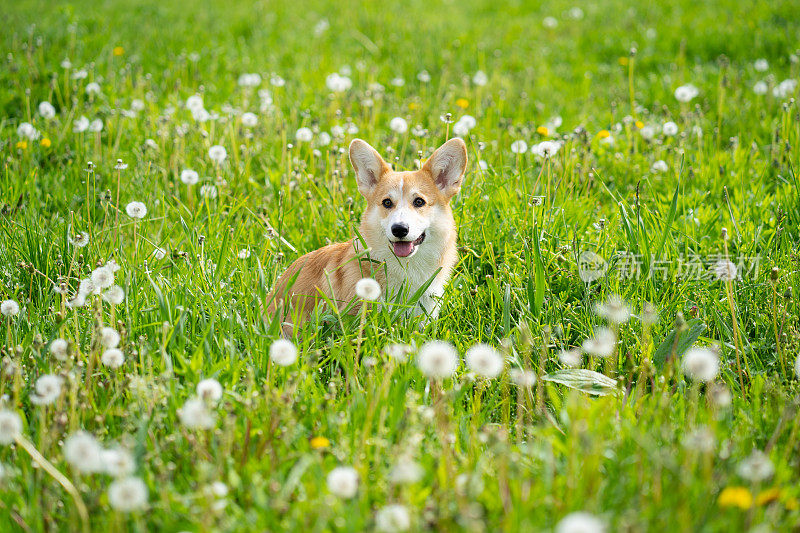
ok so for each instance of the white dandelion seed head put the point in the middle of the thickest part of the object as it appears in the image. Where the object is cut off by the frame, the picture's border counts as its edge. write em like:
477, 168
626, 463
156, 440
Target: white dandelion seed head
46, 110
127, 494
195, 414
368, 289
725, 270
550, 22
115, 295
525, 379
10, 426
614, 309
784, 88
484, 360
250, 80
760, 88
700, 364
83, 452
480, 78
47, 389
397, 81
437, 359
686, 93
393, 517
217, 154
93, 88
343, 482
189, 176
602, 344
304, 135
9, 308
545, 149
244, 253
80, 125
208, 191
659, 166
398, 351
283, 352
324, 139
406, 471
109, 337
136, 210
118, 462
580, 522
59, 348
757, 467
761, 65
570, 358
112, 358
519, 147
113, 266
194, 102
80, 240
647, 132
424, 76
96, 125
102, 277
210, 390
669, 128
337, 83
398, 125
720, 395
700, 439
26, 130
249, 120
86, 287
78, 301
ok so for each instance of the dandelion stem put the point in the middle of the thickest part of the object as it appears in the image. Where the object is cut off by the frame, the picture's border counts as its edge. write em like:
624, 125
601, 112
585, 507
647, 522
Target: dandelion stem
48, 467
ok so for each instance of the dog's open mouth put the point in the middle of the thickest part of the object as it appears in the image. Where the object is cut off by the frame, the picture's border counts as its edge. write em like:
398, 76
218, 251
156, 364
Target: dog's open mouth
406, 248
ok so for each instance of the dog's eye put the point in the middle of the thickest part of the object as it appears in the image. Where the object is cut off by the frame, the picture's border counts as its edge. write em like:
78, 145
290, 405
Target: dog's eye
387, 203
419, 202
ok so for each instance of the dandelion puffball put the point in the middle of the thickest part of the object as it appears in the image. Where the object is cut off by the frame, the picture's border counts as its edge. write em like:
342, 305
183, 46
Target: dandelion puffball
209, 389
602, 344
189, 176
757, 467
368, 289
614, 309
217, 154
484, 360
343, 482
47, 111
392, 518
437, 359
59, 349
304, 135
580, 522
9, 308
283, 352
109, 337
47, 389
83, 452
519, 147
112, 358
118, 462
10, 426
195, 414
398, 125
686, 93
127, 494
136, 210
700, 364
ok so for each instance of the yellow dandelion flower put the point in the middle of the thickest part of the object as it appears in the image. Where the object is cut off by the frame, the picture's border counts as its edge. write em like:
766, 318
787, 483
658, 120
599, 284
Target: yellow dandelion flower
22, 145
623, 61
463, 103
735, 497
45, 142
602, 134
413, 106
639, 124
541, 130
767, 496
320, 442
118, 50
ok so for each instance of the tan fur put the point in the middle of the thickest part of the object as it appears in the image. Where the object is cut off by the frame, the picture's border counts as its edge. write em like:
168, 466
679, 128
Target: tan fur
334, 270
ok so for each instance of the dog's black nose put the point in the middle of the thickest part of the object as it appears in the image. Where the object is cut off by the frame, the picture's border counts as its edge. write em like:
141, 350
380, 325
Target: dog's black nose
399, 230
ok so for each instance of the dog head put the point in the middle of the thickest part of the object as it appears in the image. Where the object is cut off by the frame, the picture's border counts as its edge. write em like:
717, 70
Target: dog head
404, 209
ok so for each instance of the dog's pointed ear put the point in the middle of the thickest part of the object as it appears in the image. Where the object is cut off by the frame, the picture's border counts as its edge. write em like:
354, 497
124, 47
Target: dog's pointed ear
447, 166
368, 164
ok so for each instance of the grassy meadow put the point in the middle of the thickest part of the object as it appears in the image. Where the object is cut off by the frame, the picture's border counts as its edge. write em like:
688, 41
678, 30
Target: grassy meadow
628, 248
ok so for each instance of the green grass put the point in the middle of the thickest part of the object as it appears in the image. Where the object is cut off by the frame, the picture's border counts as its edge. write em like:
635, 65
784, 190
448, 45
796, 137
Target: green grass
653, 453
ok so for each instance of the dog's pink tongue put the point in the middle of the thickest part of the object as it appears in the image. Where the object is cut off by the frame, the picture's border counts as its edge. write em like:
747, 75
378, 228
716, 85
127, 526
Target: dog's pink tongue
403, 248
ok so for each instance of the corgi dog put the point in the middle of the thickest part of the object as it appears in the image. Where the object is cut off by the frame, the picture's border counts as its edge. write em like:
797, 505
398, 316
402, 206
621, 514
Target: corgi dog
407, 238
